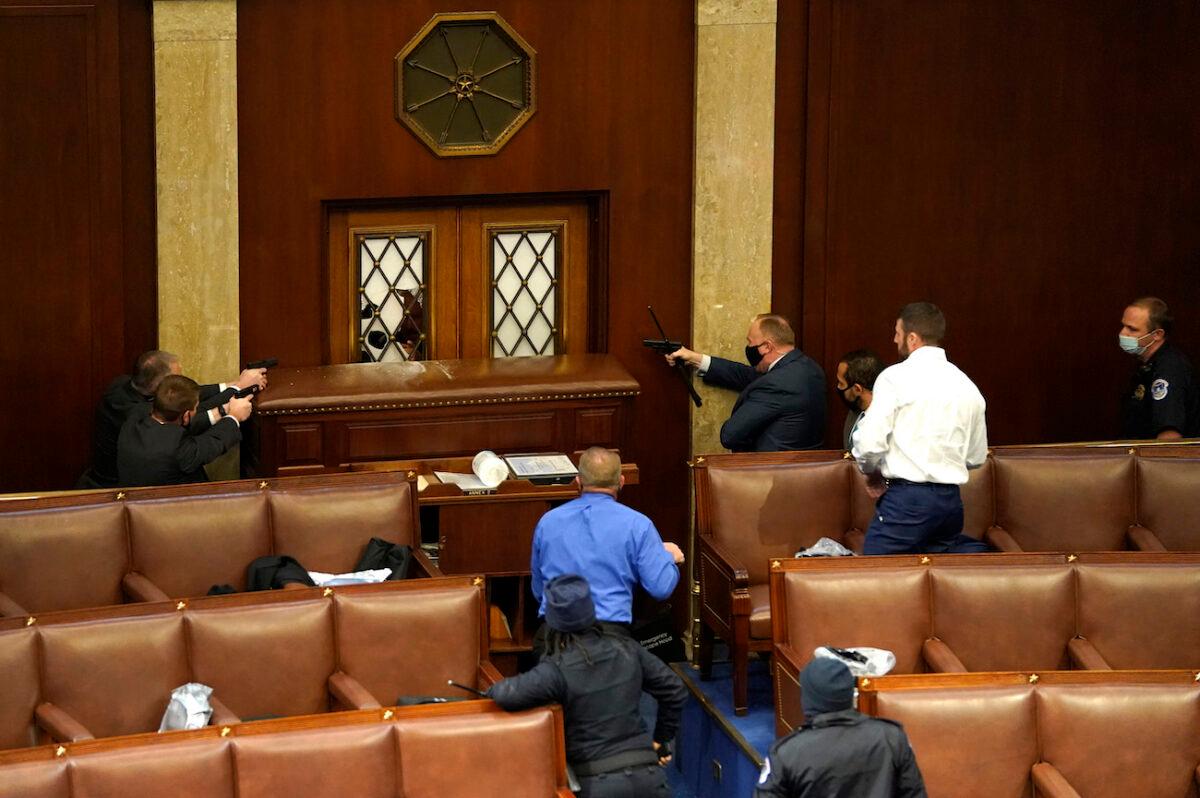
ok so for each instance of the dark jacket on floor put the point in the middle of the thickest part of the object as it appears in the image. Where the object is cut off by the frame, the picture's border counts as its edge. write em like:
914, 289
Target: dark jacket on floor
150, 453
842, 755
599, 681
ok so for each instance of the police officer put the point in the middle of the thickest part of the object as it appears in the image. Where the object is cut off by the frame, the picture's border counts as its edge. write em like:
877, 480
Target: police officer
1163, 400
598, 677
839, 752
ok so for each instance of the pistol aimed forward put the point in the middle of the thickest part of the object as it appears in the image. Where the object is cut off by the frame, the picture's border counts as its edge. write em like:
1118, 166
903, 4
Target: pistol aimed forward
665, 346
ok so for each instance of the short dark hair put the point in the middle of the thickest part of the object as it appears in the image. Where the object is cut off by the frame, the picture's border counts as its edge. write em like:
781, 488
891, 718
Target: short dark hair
776, 329
150, 368
862, 368
925, 319
1160, 315
175, 396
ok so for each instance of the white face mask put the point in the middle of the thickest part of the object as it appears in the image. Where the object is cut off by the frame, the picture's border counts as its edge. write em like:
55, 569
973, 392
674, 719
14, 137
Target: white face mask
1131, 345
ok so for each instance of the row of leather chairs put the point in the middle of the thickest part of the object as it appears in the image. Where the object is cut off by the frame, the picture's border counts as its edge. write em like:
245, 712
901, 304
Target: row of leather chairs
150, 544
1066, 735
987, 612
85, 674
752, 508
467, 750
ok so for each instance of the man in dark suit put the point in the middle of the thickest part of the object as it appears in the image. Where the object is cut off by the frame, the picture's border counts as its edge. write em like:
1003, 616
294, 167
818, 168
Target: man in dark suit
781, 405
131, 391
159, 448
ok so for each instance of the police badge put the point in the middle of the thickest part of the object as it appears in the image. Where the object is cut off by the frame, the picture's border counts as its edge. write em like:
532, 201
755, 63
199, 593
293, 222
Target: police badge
1139, 393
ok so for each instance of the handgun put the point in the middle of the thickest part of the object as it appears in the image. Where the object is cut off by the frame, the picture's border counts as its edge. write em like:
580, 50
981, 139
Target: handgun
265, 363
666, 346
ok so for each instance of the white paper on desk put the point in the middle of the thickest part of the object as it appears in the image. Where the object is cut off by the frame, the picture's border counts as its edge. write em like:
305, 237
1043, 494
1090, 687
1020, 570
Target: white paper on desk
465, 482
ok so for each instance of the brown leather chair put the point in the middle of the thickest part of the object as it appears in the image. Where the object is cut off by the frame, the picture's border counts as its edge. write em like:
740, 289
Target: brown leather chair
388, 648
749, 510
1071, 500
56, 557
185, 546
450, 751
37, 779
197, 768
1119, 740
885, 606
110, 677
452, 756
1134, 615
1066, 734
19, 688
110, 671
264, 661
1000, 617
351, 760
1168, 504
968, 741
147, 544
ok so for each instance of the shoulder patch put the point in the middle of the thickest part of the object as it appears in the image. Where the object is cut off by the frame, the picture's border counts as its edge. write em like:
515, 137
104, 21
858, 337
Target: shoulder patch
1159, 388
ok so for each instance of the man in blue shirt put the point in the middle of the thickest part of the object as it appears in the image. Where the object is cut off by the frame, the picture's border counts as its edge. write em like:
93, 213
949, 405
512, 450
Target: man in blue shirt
612, 546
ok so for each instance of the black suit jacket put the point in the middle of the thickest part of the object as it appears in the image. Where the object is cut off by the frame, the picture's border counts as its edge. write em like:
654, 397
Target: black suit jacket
150, 453
778, 411
119, 401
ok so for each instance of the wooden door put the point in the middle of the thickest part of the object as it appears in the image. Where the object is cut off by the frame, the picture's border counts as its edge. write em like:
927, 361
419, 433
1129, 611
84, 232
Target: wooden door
458, 281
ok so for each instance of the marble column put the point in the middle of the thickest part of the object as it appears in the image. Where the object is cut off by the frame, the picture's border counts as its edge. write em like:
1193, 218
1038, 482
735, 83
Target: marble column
195, 87
734, 175
195, 105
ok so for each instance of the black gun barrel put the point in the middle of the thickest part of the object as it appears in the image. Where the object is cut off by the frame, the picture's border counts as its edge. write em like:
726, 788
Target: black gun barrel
666, 346
266, 363
661, 345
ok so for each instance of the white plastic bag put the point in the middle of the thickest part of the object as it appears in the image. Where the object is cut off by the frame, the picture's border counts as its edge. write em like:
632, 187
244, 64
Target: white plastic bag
873, 662
188, 708
825, 547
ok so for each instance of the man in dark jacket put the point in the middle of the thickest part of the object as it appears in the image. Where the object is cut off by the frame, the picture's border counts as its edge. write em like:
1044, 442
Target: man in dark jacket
839, 752
781, 404
156, 446
136, 391
598, 677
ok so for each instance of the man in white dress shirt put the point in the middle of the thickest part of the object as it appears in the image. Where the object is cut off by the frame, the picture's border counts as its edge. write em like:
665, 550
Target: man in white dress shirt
924, 429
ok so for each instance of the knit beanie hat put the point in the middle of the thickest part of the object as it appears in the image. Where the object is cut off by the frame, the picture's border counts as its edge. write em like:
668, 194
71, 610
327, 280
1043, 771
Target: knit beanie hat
569, 606
826, 685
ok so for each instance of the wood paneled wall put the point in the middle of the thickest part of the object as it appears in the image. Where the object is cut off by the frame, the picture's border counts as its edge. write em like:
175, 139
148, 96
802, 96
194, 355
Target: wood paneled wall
1029, 166
316, 125
76, 223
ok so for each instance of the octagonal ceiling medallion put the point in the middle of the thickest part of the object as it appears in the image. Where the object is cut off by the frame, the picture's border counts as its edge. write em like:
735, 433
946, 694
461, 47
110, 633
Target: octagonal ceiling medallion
465, 83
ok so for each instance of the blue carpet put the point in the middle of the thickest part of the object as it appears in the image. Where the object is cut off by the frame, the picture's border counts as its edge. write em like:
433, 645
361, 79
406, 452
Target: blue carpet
702, 742
717, 754
757, 726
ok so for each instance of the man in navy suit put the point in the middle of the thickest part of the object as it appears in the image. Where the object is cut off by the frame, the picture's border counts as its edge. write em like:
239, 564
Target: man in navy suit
781, 404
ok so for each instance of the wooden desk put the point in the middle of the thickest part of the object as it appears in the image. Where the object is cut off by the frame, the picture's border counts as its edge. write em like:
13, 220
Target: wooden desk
331, 418
489, 534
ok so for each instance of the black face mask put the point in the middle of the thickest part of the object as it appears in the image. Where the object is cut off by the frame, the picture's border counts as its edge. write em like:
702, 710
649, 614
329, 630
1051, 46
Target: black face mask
753, 356
850, 403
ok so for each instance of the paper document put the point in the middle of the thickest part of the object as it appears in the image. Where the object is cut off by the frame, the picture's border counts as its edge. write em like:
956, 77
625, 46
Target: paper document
465, 482
525, 466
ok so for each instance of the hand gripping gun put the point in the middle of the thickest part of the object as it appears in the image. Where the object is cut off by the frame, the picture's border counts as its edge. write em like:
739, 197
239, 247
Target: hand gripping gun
665, 346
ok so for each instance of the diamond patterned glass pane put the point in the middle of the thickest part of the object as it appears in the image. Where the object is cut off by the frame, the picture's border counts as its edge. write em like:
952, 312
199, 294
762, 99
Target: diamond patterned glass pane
524, 293
391, 279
